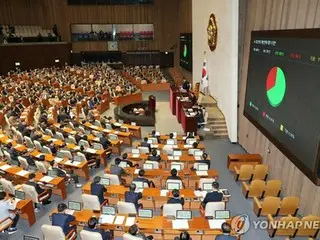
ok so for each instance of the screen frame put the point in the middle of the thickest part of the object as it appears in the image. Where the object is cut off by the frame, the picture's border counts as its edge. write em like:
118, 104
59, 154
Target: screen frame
288, 33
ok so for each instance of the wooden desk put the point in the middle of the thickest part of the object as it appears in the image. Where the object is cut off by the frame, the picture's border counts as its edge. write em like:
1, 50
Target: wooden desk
137, 97
26, 208
176, 147
236, 160
212, 173
135, 130
189, 123
57, 142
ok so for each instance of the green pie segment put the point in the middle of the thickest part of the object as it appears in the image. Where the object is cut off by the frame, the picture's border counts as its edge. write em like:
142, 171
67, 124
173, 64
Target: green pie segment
276, 86
185, 51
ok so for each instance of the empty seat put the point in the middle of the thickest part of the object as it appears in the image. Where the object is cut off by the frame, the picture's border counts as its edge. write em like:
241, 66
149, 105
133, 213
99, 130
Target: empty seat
289, 205
273, 188
88, 235
269, 205
91, 202
255, 189
56, 233
244, 173
114, 179
211, 207
260, 172
281, 229
126, 208
308, 232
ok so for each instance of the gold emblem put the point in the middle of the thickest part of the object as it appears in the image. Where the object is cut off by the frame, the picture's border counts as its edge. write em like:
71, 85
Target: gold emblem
212, 32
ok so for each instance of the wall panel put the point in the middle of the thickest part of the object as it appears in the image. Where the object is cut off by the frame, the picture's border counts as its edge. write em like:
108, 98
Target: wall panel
268, 15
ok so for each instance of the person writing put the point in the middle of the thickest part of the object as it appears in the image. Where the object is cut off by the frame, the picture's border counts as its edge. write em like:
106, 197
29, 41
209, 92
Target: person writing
93, 227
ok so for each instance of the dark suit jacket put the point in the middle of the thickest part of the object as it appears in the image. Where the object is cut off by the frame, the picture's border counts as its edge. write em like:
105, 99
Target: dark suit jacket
105, 235
212, 197
36, 186
114, 169
98, 190
145, 144
225, 237
176, 200
174, 178
141, 179
154, 158
63, 220
105, 142
133, 197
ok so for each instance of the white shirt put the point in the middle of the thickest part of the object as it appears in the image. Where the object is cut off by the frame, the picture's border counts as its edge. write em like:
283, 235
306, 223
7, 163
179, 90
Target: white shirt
5, 206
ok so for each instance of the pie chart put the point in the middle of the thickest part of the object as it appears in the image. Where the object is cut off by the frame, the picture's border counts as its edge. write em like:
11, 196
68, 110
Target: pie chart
276, 86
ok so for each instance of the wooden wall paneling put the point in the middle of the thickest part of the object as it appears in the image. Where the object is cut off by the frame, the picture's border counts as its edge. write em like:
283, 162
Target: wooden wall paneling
265, 15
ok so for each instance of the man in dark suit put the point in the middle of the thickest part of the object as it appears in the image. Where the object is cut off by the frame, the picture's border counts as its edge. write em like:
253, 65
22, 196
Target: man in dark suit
92, 227
132, 197
116, 169
125, 159
174, 174
97, 189
154, 156
203, 160
153, 134
214, 196
141, 178
63, 220
134, 231
146, 144
104, 141
176, 197
226, 229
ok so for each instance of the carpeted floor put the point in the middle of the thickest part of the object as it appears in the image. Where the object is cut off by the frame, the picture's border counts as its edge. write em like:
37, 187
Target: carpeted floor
166, 122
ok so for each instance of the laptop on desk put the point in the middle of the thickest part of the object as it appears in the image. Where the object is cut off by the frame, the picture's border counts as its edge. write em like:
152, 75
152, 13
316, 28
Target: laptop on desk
73, 206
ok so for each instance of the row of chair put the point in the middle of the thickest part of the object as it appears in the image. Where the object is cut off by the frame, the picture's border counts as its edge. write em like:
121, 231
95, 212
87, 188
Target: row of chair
250, 172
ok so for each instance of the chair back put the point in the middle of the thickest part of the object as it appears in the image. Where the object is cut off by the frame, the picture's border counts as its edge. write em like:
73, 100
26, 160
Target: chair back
155, 165
47, 150
211, 207
260, 172
41, 167
60, 136
126, 208
20, 137
7, 186
246, 172
88, 235
66, 154
83, 157
311, 231
273, 188
7, 155
97, 123
72, 139
128, 236
29, 142
23, 162
84, 143
30, 192
52, 232
91, 202
270, 205
177, 163
256, 188
38, 146
282, 229
170, 209
49, 132
143, 149
114, 179
289, 205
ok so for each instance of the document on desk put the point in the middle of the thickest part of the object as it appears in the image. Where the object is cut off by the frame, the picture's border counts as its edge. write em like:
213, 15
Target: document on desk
180, 224
216, 224
2, 135
187, 146
119, 220
164, 192
106, 130
57, 159
91, 150
69, 211
107, 219
135, 155
46, 179
22, 173
202, 173
170, 158
76, 148
130, 221
17, 146
5, 167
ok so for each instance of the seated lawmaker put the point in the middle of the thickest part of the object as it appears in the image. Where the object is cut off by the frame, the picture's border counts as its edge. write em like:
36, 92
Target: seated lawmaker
67, 176
63, 220
153, 135
203, 160
183, 236
154, 156
133, 197
116, 169
104, 141
146, 144
176, 197
7, 208
134, 231
226, 230
174, 174
98, 189
125, 159
214, 196
93, 227
140, 178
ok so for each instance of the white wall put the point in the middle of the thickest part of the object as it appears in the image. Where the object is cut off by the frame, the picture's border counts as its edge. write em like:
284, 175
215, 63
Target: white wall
223, 62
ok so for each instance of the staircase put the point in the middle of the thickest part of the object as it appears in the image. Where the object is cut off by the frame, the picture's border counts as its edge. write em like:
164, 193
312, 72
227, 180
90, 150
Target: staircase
216, 124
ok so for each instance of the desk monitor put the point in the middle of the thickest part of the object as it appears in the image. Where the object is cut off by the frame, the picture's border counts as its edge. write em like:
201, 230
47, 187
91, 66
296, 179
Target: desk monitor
97, 146
73, 205
105, 181
87, 132
157, 134
27, 237
60, 154
173, 185
108, 210
222, 214
202, 167
19, 195
176, 166
147, 166
207, 187
177, 153
153, 140
135, 151
120, 121
113, 137
198, 153
52, 173
190, 141
77, 158
145, 213
170, 142
183, 214
139, 184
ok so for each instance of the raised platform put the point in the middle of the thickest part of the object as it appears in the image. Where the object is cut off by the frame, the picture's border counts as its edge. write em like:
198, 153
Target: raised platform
137, 97
151, 87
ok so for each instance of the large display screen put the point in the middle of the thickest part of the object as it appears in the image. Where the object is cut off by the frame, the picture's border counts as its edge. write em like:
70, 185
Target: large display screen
283, 92
186, 51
